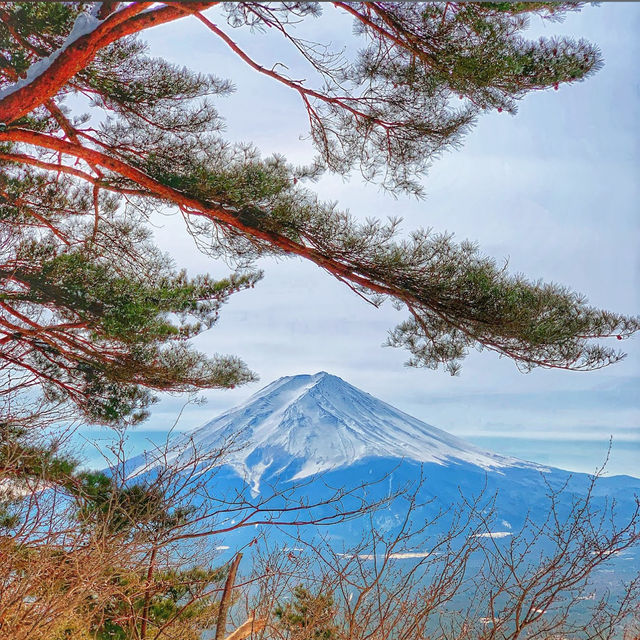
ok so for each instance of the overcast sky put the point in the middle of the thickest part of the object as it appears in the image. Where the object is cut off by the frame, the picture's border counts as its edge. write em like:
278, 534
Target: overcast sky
553, 189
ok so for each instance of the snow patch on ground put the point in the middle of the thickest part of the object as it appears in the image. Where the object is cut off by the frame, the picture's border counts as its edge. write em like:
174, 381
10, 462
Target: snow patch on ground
401, 555
493, 534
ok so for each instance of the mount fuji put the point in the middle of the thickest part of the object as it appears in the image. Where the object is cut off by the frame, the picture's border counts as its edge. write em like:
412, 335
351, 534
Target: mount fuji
308, 452
300, 426
318, 431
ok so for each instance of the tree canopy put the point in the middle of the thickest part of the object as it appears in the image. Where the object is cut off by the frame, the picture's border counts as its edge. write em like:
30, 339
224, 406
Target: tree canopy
93, 313
96, 136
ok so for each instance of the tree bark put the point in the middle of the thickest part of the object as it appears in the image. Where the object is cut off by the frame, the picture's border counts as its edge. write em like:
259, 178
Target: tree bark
226, 597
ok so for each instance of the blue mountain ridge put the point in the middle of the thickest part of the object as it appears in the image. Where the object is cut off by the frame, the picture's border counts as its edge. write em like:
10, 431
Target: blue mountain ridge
308, 435
302, 438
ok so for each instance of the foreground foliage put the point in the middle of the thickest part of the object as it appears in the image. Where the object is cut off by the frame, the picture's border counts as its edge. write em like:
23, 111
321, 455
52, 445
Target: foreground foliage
90, 555
94, 314
95, 320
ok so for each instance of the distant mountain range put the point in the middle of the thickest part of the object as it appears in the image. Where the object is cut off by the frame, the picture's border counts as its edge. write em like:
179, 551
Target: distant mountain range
303, 438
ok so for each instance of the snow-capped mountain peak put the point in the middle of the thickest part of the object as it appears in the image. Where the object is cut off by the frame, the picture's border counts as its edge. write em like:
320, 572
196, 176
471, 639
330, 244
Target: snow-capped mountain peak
321, 422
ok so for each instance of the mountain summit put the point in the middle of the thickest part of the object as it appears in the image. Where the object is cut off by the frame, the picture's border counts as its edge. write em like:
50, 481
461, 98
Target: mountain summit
302, 425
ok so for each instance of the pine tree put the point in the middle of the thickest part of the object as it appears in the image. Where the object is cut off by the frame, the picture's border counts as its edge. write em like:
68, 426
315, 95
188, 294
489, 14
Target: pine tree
92, 320
103, 317
307, 616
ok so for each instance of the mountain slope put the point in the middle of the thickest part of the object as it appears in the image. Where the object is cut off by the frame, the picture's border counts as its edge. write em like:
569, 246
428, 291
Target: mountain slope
302, 438
322, 423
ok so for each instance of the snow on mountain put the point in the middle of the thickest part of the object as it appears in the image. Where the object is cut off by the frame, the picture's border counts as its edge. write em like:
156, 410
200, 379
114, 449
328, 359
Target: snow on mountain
324, 423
